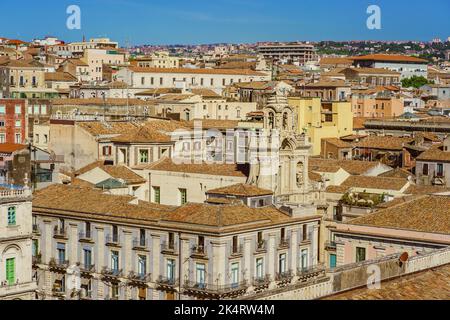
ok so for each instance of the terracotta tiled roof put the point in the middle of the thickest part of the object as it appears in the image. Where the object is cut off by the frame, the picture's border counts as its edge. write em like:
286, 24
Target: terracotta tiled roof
435, 153
327, 84
383, 143
380, 183
358, 123
397, 173
429, 213
118, 172
11, 147
337, 142
100, 102
215, 124
166, 164
431, 284
225, 215
389, 57
97, 128
143, 135
337, 60
198, 71
93, 202
88, 203
243, 190
374, 71
60, 76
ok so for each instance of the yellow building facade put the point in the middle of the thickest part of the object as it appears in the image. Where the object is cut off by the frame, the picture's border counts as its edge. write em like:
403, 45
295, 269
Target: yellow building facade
322, 119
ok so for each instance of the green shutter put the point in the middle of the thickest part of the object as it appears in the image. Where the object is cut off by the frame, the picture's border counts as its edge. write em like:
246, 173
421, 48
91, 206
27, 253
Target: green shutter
11, 216
157, 194
11, 271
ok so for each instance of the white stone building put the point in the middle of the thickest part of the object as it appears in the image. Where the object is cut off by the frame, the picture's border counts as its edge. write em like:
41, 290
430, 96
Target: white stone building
16, 275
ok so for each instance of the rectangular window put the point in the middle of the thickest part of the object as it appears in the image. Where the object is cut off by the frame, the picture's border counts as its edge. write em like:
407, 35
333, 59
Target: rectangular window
61, 250
87, 252
282, 263
43, 109
11, 271
18, 138
36, 109
259, 268
235, 244
360, 254
115, 261
171, 270
142, 265
304, 259
156, 194
425, 169
143, 156
2, 109
18, 123
234, 274
200, 274
35, 248
440, 170
18, 109
333, 261
107, 150
2, 138
11, 216
183, 196
171, 240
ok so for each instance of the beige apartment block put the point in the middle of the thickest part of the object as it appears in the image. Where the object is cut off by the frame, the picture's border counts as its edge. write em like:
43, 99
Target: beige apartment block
125, 249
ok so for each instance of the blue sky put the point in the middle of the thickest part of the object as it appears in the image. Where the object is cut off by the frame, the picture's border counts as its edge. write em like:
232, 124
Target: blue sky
236, 21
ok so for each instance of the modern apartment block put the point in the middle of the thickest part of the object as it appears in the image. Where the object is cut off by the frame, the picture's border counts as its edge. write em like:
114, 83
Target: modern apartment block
16, 276
126, 249
292, 52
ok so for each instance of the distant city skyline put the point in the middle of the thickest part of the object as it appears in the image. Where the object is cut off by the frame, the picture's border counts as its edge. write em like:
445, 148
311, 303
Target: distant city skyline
139, 22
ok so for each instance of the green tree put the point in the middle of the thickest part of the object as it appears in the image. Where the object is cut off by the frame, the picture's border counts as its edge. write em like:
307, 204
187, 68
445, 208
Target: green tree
414, 81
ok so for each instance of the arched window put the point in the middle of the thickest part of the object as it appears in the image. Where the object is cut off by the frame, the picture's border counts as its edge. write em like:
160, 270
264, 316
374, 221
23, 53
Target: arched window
271, 120
285, 121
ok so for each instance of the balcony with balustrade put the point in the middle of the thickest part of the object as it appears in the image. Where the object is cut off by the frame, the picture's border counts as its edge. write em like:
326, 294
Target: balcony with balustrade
85, 236
87, 270
141, 244
284, 244
113, 240
207, 291
111, 274
284, 278
236, 251
311, 273
58, 265
261, 283
60, 233
199, 252
261, 247
139, 280
167, 284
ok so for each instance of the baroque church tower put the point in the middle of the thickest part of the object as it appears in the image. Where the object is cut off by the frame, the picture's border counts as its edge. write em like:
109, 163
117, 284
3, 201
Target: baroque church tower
280, 155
